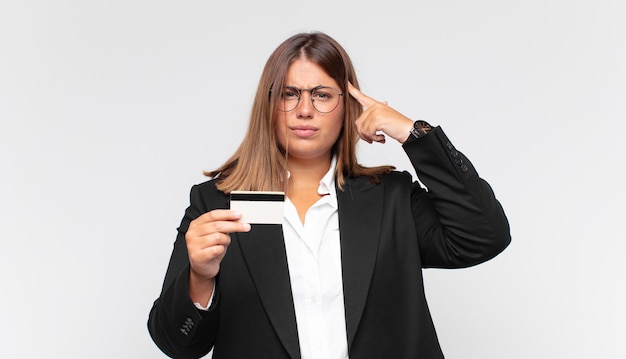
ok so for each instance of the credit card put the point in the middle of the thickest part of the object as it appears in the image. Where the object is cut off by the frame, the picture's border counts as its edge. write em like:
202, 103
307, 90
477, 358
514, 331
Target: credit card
259, 207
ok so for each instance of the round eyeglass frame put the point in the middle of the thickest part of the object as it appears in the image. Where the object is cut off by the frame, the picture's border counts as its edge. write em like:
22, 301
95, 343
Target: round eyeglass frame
311, 92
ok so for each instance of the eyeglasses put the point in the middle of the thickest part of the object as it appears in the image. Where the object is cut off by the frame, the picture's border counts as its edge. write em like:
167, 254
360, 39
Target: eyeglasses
324, 99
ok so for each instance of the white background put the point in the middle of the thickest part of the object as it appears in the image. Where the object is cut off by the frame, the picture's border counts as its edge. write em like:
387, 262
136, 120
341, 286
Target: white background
110, 110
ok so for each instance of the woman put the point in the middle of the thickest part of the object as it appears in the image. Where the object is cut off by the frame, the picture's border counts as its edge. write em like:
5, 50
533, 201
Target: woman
341, 277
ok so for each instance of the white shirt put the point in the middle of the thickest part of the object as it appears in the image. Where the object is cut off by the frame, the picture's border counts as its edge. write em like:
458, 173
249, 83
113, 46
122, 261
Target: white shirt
314, 259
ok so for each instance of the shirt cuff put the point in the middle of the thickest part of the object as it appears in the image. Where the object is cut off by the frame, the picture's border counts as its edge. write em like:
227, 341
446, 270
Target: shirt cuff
199, 306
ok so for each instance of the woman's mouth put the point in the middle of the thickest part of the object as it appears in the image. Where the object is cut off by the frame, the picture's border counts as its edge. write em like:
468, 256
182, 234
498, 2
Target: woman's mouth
303, 131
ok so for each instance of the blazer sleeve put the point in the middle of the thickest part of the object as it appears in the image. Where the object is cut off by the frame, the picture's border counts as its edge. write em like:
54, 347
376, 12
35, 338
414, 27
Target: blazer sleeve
176, 326
459, 221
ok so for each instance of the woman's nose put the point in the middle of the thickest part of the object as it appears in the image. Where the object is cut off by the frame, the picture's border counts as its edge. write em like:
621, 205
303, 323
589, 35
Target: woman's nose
305, 107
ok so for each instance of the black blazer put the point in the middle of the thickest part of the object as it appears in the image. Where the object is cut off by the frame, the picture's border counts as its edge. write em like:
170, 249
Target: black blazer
388, 231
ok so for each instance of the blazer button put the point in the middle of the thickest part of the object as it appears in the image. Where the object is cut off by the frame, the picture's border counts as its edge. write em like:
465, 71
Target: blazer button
187, 326
464, 168
449, 145
458, 161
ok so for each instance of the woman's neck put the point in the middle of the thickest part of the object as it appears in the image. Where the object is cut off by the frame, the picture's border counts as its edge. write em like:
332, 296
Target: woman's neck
304, 181
307, 171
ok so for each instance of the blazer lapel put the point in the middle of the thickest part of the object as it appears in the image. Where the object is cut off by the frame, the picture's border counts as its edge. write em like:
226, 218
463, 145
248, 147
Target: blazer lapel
264, 252
360, 215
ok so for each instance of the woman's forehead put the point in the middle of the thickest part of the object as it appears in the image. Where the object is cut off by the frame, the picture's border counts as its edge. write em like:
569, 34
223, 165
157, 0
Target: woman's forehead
304, 73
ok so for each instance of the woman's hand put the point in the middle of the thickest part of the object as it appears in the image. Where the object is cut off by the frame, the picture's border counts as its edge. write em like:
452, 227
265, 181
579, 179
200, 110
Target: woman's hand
377, 117
207, 241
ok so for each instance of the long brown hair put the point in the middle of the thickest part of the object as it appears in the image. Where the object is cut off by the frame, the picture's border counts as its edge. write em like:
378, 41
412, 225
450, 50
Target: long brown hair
259, 164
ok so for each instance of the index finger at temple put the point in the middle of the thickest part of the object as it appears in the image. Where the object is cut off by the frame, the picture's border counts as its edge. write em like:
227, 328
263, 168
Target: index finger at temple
363, 99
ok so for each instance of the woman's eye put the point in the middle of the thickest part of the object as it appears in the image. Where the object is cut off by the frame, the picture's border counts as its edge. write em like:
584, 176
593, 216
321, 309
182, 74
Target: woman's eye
322, 95
289, 94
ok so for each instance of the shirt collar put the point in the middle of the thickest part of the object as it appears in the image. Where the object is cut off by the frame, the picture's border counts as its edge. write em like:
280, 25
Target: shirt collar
327, 183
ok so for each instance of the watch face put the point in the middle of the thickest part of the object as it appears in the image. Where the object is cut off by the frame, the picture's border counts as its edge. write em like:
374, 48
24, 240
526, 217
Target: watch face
422, 127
